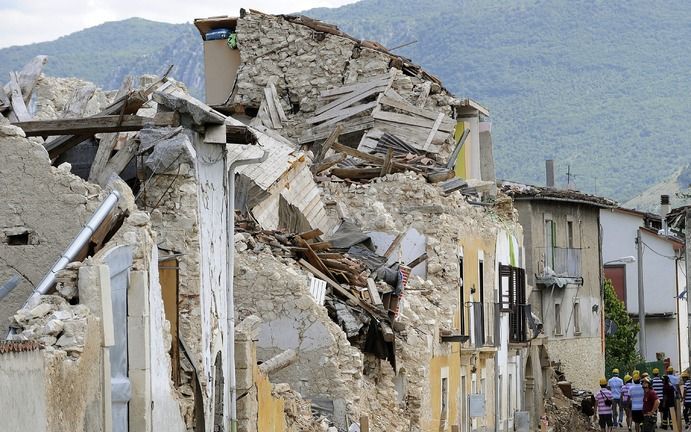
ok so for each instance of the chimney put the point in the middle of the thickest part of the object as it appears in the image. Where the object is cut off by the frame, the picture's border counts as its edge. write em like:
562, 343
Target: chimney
549, 172
665, 208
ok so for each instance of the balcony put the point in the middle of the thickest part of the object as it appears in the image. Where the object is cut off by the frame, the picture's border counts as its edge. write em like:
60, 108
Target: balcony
560, 266
484, 331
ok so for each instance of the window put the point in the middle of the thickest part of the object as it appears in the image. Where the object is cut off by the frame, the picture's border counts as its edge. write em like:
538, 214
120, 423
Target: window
557, 319
577, 317
444, 395
569, 233
550, 242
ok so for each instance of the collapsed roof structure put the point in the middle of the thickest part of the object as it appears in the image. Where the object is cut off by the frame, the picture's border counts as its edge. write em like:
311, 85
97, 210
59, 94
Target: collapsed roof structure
328, 219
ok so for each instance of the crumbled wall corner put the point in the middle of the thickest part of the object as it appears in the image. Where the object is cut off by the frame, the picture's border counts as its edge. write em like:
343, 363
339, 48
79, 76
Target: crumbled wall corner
328, 366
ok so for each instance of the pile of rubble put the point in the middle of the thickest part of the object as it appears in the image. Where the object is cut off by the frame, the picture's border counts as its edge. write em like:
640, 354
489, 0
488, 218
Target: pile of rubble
54, 323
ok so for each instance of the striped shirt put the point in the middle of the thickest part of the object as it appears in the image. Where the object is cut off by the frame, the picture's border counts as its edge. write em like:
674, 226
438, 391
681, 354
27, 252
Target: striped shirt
601, 397
615, 384
657, 384
687, 391
636, 394
625, 392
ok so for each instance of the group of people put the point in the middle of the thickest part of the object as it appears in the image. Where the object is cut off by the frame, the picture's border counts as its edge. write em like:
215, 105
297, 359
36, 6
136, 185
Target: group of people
640, 397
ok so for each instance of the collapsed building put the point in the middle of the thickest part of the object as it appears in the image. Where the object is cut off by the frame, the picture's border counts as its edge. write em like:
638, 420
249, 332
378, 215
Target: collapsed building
319, 246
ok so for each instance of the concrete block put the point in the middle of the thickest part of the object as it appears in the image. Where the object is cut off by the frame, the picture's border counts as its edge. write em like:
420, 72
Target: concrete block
138, 343
245, 354
94, 292
140, 404
138, 294
244, 379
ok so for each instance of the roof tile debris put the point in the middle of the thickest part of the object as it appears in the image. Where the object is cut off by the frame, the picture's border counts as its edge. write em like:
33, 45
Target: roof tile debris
13, 346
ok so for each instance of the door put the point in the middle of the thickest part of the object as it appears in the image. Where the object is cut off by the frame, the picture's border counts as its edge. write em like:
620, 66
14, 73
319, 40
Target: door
119, 261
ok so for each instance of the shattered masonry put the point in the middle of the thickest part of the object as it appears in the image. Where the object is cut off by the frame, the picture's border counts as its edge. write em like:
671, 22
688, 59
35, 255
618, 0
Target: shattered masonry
369, 249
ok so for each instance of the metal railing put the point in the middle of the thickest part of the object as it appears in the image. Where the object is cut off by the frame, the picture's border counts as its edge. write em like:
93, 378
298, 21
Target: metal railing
484, 326
564, 261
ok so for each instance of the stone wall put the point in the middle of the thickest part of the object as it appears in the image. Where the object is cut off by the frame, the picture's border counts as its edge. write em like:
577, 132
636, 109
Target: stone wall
581, 360
43, 209
305, 64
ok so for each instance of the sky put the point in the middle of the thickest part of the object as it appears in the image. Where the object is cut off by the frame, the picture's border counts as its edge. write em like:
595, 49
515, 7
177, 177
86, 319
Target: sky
27, 21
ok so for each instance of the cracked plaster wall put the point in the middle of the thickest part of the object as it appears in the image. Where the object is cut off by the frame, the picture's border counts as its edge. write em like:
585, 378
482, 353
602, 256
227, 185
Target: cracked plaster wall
49, 202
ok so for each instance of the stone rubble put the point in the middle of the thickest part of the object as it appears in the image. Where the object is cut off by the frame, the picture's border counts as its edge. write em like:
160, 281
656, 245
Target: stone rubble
56, 324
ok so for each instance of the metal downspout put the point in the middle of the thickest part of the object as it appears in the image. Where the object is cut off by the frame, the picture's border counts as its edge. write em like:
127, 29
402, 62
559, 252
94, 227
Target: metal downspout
231, 397
77, 244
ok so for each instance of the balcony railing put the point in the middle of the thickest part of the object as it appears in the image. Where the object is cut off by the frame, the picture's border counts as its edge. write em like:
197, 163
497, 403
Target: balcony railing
484, 328
564, 261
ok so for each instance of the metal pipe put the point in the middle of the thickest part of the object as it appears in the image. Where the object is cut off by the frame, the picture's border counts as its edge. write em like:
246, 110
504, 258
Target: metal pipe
641, 297
77, 244
8, 286
231, 396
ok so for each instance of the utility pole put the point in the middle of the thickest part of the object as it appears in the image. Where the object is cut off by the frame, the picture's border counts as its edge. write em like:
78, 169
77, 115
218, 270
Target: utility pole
641, 296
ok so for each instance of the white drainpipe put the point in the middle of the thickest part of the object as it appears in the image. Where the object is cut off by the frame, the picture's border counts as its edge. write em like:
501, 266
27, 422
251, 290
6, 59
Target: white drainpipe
231, 396
77, 244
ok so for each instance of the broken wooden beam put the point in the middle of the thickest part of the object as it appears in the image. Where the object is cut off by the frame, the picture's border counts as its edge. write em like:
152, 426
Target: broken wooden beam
328, 163
375, 159
320, 150
278, 362
17, 100
373, 292
94, 125
459, 145
356, 173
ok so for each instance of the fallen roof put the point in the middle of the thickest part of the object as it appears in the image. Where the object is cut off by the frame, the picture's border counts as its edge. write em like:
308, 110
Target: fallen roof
519, 191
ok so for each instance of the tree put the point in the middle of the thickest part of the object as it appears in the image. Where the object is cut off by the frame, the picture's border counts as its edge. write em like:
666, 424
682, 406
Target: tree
620, 345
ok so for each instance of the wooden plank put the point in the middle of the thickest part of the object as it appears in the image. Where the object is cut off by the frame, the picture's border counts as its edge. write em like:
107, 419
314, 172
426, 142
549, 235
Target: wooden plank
412, 121
398, 102
426, 87
321, 246
386, 167
378, 80
432, 132
364, 423
131, 103
107, 141
459, 145
17, 101
94, 125
347, 100
312, 234
320, 132
273, 113
417, 261
335, 285
338, 115
415, 136
356, 173
394, 244
312, 257
373, 292
323, 148
328, 163
27, 77
277, 102
119, 161
374, 159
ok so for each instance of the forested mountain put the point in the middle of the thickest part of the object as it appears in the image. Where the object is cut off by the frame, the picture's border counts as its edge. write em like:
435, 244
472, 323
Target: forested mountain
601, 86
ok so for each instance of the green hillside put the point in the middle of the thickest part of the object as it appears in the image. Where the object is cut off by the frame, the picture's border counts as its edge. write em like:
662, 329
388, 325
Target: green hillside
601, 86
96, 53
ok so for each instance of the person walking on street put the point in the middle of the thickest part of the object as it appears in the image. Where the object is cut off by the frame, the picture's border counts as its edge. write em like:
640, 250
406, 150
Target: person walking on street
626, 400
668, 401
687, 398
656, 382
604, 406
615, 384
650, 405
636, 396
